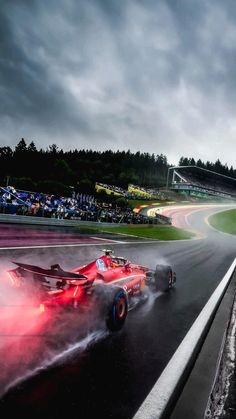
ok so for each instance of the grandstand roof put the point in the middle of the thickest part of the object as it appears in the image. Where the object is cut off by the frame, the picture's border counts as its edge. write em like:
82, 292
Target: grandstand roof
205, 170
195, 180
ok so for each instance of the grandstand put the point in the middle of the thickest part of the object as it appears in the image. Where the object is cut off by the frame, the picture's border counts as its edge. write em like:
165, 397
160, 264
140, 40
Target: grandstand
133, 191
138, 190
202, 183
109, 189
80, 207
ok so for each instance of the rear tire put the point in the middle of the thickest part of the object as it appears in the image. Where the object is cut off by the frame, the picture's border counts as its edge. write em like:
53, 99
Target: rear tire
117, 309
163, 278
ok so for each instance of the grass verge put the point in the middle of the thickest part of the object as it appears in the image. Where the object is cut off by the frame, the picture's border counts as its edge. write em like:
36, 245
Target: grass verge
153, 232
224, 221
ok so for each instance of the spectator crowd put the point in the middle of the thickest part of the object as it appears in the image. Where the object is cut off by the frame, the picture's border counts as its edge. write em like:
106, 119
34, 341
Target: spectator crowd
77, 207
133, 191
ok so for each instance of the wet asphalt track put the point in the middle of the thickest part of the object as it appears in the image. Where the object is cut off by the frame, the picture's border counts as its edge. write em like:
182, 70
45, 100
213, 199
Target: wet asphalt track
88, 372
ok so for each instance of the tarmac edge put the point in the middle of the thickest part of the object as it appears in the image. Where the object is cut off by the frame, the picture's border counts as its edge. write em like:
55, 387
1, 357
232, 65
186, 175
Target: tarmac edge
206, 384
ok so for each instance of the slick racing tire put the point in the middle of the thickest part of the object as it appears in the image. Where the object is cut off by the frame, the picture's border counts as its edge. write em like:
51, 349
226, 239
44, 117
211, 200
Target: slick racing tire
163, 278
117, 309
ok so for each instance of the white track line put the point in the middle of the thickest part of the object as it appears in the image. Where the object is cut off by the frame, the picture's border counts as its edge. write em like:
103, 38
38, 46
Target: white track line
159, 400
110, 240
79, 245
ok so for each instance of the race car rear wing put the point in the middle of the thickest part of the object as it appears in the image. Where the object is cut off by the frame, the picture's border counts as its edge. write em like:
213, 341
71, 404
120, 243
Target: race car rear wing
55, 272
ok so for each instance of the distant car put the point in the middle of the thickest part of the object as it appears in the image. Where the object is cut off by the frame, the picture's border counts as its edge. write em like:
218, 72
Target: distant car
113, 282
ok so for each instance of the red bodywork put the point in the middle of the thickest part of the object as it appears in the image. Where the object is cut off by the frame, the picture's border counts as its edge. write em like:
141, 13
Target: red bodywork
60, 287
111, 282
119, 271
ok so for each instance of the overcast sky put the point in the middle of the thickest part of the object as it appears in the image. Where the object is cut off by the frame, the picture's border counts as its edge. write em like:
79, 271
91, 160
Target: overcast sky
145, 75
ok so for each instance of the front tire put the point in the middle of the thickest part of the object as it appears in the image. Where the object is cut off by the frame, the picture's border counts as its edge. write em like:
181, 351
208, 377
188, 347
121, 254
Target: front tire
163, 278
117, 310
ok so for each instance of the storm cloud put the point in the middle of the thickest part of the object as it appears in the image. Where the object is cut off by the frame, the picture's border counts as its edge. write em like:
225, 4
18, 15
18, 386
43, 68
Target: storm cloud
154, 76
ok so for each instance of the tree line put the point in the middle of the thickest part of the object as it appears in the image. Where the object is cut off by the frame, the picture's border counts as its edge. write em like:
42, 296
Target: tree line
44, 170
54, 170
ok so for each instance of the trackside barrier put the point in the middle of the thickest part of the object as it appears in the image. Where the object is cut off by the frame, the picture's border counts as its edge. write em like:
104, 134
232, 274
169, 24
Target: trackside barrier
165, 393
27, 219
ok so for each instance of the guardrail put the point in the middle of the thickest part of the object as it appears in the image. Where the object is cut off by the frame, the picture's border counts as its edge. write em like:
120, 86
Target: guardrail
27, 219
165, 393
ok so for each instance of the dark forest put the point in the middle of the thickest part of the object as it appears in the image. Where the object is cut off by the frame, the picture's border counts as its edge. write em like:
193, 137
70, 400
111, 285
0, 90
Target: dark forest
28, 168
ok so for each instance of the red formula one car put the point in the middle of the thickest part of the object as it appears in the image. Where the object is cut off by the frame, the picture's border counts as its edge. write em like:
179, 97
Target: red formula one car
112, 282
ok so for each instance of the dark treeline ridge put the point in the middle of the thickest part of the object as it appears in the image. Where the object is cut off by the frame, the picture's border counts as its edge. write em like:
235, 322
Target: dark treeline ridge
26, 167
40, 170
